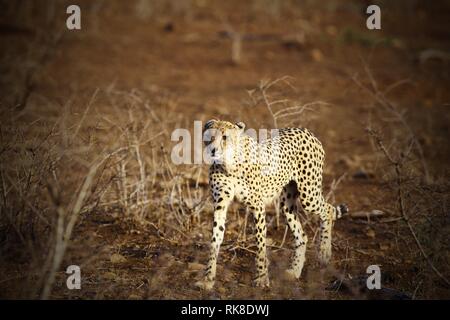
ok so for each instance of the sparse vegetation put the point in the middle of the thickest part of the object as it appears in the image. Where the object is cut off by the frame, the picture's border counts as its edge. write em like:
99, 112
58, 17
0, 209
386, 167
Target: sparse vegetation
86, 176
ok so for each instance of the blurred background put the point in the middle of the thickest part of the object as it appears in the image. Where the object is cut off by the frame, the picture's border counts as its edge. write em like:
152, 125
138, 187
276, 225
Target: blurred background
86, 176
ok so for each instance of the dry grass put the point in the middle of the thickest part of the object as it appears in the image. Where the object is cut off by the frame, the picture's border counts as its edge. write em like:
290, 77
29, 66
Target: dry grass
86, 176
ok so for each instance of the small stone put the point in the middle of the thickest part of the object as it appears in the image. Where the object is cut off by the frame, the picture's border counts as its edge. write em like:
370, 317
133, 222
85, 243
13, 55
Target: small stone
317, 55
221, 290
194, 266
361, 174
331, 30
109, 275
370, 233
117, 258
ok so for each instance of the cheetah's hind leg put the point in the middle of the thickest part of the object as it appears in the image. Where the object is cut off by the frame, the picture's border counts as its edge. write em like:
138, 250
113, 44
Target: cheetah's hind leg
288, 205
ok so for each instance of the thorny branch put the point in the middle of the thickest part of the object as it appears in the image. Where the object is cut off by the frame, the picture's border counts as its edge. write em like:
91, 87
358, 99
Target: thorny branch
287, 108
380, 97
398, 163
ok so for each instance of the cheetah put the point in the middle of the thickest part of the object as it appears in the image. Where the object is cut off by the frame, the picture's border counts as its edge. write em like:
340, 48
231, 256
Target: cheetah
288, 165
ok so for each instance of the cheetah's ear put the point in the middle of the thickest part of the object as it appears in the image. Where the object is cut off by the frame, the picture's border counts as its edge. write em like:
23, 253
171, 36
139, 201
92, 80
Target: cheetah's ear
209, 124
240, 125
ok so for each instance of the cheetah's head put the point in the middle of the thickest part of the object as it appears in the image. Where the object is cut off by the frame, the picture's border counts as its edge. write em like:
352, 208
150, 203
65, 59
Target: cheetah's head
221, 139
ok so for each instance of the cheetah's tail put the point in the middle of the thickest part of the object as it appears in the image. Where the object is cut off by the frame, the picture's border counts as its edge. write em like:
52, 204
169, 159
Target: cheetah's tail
341, 210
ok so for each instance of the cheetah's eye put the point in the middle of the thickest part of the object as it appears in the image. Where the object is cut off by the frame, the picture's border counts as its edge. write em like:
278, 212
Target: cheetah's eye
209, 140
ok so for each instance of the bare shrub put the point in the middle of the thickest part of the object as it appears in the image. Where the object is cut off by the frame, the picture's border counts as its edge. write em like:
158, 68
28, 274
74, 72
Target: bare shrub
416, 190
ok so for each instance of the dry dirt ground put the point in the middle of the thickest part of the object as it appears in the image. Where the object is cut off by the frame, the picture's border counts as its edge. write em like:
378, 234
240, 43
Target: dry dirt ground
87, 118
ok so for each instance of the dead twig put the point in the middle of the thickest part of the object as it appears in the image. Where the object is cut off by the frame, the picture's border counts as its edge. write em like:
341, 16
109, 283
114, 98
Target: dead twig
380, 98
397, 163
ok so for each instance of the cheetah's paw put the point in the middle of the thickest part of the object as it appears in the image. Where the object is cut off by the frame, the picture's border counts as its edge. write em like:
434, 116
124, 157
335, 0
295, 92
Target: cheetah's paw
205, 284
292, 273
325, 255
262, 282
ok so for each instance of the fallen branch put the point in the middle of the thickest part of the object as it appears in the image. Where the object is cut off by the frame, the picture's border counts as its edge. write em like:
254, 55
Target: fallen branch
367, 214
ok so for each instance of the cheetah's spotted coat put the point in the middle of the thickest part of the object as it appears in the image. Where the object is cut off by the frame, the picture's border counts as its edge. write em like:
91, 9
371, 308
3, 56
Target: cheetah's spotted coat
289, 166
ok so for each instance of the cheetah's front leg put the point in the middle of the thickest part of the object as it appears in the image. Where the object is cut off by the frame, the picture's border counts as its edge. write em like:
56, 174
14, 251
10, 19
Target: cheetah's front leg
221, 203
262, 279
